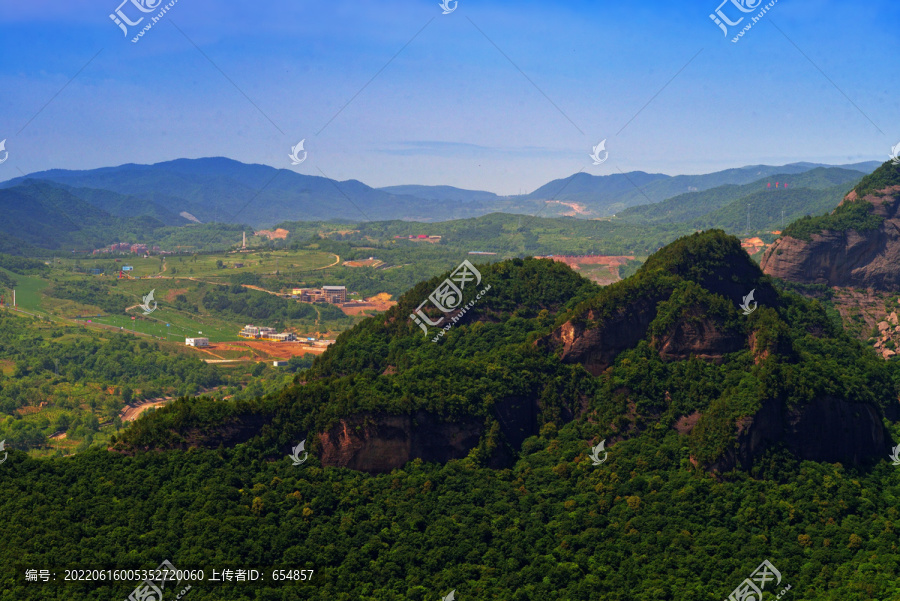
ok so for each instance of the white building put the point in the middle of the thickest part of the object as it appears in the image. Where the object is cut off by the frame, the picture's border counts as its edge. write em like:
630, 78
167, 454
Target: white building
196, 342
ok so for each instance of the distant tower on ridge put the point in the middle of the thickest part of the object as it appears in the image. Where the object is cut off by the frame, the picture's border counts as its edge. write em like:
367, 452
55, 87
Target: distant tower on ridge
244, 244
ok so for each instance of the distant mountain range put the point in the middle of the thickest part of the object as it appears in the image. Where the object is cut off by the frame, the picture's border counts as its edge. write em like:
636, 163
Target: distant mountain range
606, 195
811, 192
443, 193
61, 208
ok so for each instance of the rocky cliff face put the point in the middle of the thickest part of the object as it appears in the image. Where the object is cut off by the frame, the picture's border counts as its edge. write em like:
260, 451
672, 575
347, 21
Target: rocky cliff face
827, 429
379, 443
596, 347
373, 442
700, 336
869, 259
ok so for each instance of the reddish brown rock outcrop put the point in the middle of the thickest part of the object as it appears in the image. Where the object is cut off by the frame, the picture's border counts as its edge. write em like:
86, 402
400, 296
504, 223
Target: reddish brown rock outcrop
698, 336
596, 347
868, 259
381, 442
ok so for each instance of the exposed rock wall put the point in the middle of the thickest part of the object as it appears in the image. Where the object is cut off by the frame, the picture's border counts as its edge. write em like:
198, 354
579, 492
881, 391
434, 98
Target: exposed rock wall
869, 259
700, 337
381, 442
596, 348
827, 429
374, 442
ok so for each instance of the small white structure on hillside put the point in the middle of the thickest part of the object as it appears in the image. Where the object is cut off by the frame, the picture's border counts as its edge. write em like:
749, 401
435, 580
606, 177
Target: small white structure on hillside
196, 342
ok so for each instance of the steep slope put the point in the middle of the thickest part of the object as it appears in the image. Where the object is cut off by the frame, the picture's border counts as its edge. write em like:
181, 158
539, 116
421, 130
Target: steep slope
694, 316
856, 245
668, 348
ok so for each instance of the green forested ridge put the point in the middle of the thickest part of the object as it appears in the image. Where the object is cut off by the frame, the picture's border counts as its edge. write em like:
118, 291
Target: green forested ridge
885, 176
770, 209
38, 214
646, 524
850, 215
23, 266
819, 186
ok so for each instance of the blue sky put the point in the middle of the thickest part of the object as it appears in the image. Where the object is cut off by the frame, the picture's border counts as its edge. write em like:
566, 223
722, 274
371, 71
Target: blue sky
501, 96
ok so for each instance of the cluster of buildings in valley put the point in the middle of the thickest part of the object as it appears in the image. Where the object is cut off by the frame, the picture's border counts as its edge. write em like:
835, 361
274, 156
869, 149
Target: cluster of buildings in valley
326, 294
264, 333
125, 247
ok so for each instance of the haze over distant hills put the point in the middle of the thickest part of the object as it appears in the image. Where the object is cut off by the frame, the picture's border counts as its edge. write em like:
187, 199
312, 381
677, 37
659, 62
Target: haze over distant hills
608, 194
443, 193
227, 191
811, 192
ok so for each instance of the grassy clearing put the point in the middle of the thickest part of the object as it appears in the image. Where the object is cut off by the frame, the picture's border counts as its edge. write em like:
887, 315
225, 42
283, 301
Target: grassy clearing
28, 291
253, 262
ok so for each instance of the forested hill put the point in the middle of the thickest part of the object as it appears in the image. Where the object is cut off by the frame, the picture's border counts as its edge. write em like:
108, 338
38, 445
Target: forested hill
807, 193
732, 435
556, 344
39, 216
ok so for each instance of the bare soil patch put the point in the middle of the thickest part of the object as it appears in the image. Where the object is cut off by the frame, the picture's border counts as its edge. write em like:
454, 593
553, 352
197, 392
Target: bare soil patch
132, 412
358, 308
603, 269
366, 263
276, 234
282, 350
171, 294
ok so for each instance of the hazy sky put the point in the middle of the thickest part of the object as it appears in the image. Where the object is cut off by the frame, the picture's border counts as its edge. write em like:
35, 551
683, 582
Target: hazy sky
496, 95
